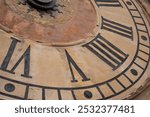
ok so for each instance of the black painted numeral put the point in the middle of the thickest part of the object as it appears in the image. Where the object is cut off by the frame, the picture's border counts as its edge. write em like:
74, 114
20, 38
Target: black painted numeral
117, 28
108, 3
25, 57
106, 51
72, 64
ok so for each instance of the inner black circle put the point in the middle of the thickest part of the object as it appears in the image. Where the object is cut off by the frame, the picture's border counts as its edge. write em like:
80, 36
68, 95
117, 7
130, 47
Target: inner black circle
129, 3
144, 38
134, 72
88, 94
42, 4
9, 87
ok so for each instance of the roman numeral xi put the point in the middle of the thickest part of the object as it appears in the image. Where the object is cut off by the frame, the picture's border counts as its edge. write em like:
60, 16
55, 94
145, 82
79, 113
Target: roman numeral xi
25, 56
107, 52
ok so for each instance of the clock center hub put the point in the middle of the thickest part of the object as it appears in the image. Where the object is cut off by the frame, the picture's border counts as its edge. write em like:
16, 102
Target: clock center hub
50, 22
42, 4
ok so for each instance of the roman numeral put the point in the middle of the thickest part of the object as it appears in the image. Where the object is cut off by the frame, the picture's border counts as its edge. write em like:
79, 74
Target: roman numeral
72, 64
108, 3
117, 28
106, 51
25, 57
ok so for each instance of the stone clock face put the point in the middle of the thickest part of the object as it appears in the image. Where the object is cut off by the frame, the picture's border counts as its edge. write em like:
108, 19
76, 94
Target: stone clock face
73, 49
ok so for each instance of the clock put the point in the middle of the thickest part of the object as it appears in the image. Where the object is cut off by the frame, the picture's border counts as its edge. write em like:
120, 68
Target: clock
73, 49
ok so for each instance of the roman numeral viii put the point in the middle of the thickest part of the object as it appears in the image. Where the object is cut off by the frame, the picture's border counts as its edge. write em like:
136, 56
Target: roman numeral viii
25, 56
72, 64
117, 28
108, 3
106, 51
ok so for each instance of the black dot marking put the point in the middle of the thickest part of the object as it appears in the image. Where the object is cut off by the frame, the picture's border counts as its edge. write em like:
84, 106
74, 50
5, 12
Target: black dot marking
9, 87
88, 94
134, 72
144, 38
129, 3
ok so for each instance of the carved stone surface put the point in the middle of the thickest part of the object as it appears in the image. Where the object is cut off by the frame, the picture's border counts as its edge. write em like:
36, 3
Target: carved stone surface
90, 49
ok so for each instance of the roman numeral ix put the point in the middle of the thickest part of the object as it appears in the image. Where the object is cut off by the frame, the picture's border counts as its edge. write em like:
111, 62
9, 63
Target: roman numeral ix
25, 57
106, 51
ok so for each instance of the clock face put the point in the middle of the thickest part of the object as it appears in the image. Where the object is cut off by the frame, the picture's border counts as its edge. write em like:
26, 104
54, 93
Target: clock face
77, 50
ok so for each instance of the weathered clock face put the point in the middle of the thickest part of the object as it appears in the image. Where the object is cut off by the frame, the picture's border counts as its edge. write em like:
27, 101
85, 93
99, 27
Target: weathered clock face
73, 49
